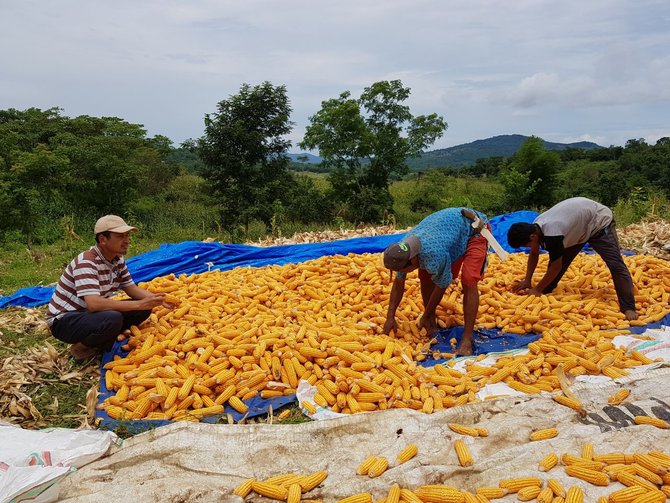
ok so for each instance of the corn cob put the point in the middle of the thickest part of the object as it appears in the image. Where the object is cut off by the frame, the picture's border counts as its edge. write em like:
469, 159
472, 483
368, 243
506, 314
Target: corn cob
651, 497
627, 494
592, 476
573, 403
439, 494
272, 491
556, 488
294, 494
238, 404
528, 493
378, 467
393, 495
357, 498
463, 453
463, 430
311, 481
407, 453
365, 466
546, 495
651, 463
244, 488
610, 458
408, 496
652, 421
515, 484
545, 434
619, 396
629, 479
468, 497
492, 492
647, 474
587, 451
574, 495
548, 462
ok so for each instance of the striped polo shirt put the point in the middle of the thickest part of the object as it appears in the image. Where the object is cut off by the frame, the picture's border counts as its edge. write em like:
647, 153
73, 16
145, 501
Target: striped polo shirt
88, 274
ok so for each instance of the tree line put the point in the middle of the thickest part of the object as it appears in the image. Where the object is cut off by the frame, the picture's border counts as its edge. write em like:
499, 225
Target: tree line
56, 170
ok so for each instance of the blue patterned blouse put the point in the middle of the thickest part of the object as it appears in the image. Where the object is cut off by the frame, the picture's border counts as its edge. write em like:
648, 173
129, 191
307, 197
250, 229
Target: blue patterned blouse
444, 237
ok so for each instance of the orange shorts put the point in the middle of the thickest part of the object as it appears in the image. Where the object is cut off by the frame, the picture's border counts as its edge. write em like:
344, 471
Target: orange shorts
472, 264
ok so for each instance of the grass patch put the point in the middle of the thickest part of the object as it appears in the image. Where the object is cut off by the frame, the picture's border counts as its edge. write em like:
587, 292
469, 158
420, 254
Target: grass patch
61, 403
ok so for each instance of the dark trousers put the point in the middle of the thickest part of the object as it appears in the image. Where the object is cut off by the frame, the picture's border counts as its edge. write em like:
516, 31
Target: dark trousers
606, 244
96, 330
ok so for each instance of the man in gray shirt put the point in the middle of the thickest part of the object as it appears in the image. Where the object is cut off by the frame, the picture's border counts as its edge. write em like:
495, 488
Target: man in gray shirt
563, 230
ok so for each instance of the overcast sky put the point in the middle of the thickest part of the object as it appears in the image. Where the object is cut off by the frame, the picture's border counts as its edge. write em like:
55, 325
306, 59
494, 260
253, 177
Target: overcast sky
567, 70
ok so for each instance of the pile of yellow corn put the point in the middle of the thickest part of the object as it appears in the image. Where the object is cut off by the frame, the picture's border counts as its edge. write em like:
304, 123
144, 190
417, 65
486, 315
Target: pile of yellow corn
645, 478
252, 331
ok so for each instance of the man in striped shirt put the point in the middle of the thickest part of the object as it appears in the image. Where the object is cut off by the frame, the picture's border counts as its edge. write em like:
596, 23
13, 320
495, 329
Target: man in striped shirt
81, 311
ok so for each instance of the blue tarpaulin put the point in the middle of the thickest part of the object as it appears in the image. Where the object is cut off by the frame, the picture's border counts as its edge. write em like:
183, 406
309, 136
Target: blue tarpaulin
192, 257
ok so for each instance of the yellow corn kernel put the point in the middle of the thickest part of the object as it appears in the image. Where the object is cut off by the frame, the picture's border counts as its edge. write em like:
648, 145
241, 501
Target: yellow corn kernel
628, 479
492, 492
407, 453
469, 497
652, 421
546, 496
244, 488
515, 484
652, 464
544, 434
619, 396
610, 458
592, 476
651, 497
238, 405
272, 491
357, 498
407, 496
463, 430
574, 495
294, 494
309, 407
571, 459
364, 467
311, 481
587, 451
463, 453
437, 493
573, 403
528, 493
548, 462
394, 494
647, 474
378, 467
627, 494
556, 488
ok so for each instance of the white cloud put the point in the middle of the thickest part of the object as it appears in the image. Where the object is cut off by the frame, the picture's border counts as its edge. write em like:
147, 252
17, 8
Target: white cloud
597, 69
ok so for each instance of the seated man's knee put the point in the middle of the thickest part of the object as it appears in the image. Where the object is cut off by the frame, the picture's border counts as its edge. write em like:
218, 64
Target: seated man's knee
112, 323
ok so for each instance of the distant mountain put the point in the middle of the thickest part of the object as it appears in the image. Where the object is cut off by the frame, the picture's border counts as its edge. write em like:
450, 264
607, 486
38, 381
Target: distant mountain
497, 146
305, 158
465, 154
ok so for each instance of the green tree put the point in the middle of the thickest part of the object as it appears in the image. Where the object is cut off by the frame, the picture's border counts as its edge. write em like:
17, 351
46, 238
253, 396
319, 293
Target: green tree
33, 187
244, 152
529, 178
365, 141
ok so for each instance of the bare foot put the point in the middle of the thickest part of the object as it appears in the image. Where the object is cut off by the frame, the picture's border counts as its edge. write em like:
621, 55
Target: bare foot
630, 315
82, 352
464, 349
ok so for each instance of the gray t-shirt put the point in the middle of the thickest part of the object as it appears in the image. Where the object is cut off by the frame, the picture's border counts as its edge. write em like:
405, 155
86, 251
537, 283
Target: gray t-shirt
576, 219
